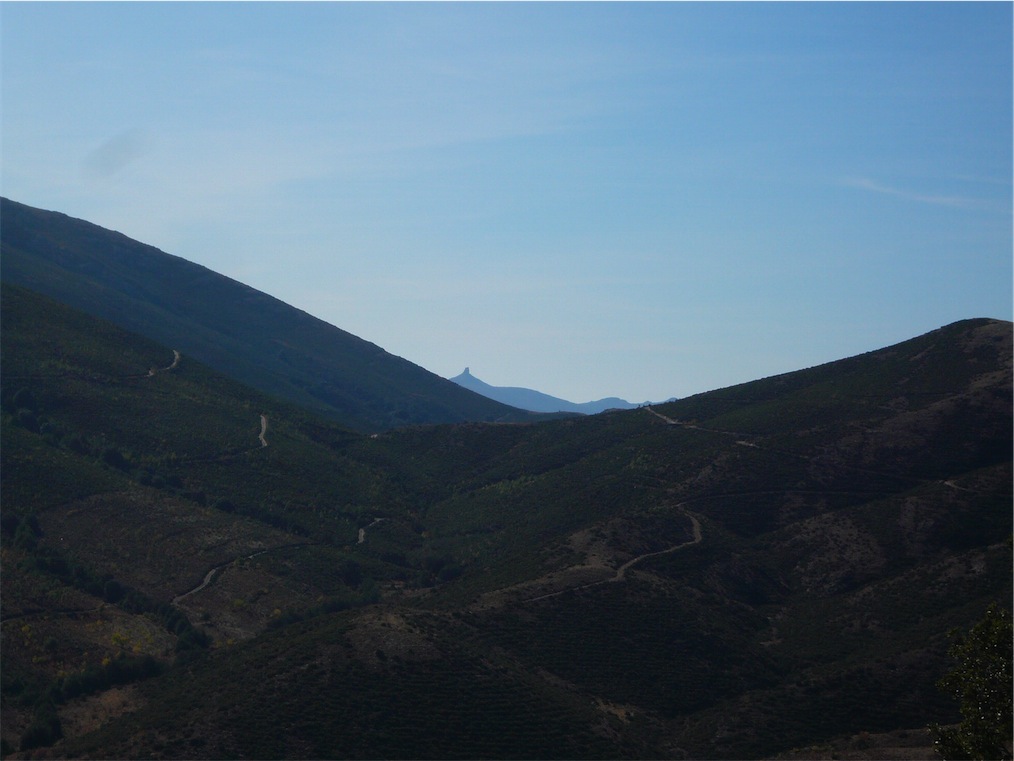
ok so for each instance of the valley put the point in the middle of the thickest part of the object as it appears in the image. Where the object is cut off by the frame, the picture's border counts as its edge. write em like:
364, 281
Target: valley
733, 478
193, 568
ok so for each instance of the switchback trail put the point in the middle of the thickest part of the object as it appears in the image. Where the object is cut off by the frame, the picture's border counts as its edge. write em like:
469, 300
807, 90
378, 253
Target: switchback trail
362, 531
176, 361
229, 454
95, 378
691, 426
698, 537
211, 574
207, 580
742, 439
621, 572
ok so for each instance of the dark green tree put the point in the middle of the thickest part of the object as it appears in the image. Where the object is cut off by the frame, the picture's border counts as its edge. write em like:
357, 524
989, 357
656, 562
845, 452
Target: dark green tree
114, 457
24, 399
112, 591
45, 728
981, 681
27, 533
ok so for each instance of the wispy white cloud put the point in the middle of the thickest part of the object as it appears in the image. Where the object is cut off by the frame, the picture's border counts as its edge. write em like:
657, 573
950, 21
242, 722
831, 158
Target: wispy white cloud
952, 201
115, 154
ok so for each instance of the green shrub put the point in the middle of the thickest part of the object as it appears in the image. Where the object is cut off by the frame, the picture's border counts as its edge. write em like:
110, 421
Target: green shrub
44, 730
981, 681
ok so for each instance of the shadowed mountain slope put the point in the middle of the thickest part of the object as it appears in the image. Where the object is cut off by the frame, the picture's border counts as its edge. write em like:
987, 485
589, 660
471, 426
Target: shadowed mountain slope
536, 401
192, 569
234, 328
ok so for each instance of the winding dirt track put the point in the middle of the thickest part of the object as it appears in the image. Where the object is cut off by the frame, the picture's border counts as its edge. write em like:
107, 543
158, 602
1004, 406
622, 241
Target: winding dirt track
621, 572
176, 361
207, 580
691, 426
211, 574
362, 531
698, 537
742, 439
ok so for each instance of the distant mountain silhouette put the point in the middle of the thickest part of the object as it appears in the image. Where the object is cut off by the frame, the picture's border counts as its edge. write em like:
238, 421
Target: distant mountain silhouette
536, 401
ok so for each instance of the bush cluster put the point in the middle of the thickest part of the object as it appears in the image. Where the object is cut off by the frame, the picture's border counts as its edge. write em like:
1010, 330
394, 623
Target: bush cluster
366, 595
48, 560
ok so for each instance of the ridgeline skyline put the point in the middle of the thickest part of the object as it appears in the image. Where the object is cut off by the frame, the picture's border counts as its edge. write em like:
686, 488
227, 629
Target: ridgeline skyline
633, 200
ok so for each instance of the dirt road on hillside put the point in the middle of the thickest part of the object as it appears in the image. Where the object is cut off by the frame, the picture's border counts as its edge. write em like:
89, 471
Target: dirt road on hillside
693, 427
621, 572
362, 531
211, 574
176, 361
750, 440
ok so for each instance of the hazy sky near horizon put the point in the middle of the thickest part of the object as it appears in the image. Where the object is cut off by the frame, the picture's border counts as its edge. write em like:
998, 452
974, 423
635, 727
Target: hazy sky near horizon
634, 199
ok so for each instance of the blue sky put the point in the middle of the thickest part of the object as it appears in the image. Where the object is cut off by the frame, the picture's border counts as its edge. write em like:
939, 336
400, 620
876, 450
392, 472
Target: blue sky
634, 199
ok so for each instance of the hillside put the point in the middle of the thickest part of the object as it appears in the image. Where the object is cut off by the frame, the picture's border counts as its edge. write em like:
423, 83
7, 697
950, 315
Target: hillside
536, 401
192, 569
240, 331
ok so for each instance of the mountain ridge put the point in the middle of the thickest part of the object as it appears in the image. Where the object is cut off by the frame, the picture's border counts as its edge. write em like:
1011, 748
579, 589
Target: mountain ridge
537, 401
193, 568
229, 325
731, 575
